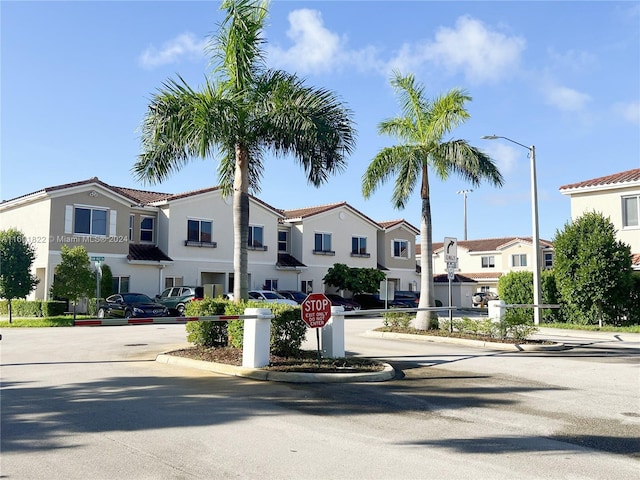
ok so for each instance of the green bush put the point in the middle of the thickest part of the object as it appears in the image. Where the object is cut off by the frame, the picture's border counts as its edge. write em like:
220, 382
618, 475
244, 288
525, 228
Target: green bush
397, 320
207, 334
53, 308
516, 324
288, 331
26, 308
287, 328
92, 306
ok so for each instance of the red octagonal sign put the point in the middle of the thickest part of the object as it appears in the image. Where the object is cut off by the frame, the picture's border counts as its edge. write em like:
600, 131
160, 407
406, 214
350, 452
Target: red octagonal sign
316, 310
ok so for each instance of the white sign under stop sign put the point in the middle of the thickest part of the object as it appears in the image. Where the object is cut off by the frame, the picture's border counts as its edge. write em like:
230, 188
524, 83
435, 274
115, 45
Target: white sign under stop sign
316, 310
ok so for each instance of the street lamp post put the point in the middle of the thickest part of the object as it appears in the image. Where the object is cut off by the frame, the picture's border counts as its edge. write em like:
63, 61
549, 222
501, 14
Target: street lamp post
534, 218
464, 193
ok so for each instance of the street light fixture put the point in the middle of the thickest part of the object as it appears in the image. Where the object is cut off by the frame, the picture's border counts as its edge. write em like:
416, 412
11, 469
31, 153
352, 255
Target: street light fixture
536, 235
465, 192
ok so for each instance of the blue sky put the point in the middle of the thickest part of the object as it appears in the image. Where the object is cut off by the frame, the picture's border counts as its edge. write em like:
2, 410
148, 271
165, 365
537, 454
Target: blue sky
76, 78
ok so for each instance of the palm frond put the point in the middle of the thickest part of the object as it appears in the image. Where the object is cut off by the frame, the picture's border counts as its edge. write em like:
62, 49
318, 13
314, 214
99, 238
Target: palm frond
309, 123
238, 45
468, 162
401, 162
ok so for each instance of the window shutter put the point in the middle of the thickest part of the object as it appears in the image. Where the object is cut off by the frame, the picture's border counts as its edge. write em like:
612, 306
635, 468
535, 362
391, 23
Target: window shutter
408, 249
68, 219
112, 222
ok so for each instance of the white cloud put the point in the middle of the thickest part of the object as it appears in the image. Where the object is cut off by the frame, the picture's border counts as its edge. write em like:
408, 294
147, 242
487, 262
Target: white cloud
565, 98
316, 49
483, 55
629, 111
505, 156
185, 45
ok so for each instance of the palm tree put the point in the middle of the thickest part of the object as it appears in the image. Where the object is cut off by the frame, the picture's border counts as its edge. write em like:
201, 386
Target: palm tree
243, 111
420, 129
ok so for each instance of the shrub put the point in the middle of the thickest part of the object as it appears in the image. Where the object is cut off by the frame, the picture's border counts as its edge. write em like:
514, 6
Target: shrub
397, 320
288, 331
207, 334
53, 308
27, 308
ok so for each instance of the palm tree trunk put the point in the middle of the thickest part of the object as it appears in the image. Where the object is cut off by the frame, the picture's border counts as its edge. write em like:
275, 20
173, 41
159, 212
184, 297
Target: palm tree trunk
427, 295
241, 224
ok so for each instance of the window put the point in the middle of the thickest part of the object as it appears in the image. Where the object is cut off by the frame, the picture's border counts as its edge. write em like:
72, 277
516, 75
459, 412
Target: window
256, 237
283, 241
359, 247
488, 261
401, 248
322, 244
90, 221
306, 286
519, 260
146, 229
631, 211
271, 284
200, 233
173, 282
548, 260
121, 284
131, 219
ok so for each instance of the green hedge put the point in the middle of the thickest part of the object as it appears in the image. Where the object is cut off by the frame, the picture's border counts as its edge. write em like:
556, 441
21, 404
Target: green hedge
32, 308
287, 328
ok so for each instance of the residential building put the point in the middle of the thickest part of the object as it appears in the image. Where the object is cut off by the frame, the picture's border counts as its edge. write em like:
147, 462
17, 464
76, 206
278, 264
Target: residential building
617, 197
153, 240
482, 262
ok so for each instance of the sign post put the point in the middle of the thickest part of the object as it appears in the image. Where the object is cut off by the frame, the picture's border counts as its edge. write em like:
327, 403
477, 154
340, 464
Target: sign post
451, 259
316, 312
97, 261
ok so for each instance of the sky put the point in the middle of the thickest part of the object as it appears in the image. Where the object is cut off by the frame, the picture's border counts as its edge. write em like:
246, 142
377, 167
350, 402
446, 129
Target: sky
77, 76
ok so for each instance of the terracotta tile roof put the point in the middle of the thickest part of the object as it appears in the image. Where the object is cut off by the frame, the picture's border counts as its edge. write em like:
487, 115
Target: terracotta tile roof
138, 196
458, 278
490, 244
310, 211
394, 223
143, 197
146, 253
629, 176
301, 213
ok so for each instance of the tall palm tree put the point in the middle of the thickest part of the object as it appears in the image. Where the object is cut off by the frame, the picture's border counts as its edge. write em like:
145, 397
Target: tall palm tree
421, 129
243, 111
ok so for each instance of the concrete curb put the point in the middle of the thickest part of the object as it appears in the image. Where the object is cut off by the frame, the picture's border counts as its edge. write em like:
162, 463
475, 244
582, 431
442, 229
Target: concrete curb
517, 347
267, 375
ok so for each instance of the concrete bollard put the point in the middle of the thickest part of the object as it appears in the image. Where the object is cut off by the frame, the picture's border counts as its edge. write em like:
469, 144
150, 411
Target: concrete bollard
333, 334
497, 310
256, 339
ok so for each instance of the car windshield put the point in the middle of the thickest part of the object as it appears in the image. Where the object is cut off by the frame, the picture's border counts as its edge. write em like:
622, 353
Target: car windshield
136, 298
272, 295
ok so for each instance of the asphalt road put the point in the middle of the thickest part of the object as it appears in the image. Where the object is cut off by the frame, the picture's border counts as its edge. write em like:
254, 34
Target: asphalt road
91, 403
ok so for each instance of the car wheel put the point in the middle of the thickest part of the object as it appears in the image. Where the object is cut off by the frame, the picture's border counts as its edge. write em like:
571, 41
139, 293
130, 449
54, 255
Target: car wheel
180, 310
101, 313
127, 314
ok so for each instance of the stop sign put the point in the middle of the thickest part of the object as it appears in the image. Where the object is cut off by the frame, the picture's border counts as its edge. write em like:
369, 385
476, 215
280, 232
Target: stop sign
316, 310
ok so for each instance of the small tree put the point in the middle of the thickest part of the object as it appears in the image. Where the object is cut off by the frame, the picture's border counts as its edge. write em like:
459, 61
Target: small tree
106, 281
73, 278
16, 258
593, 269
356, 280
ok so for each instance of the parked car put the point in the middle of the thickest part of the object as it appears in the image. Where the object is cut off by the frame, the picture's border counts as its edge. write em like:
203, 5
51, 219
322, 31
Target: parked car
131, 305
271, 297
407, 296
294, 295
339, 301
371, 301
176, 298
482, 298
